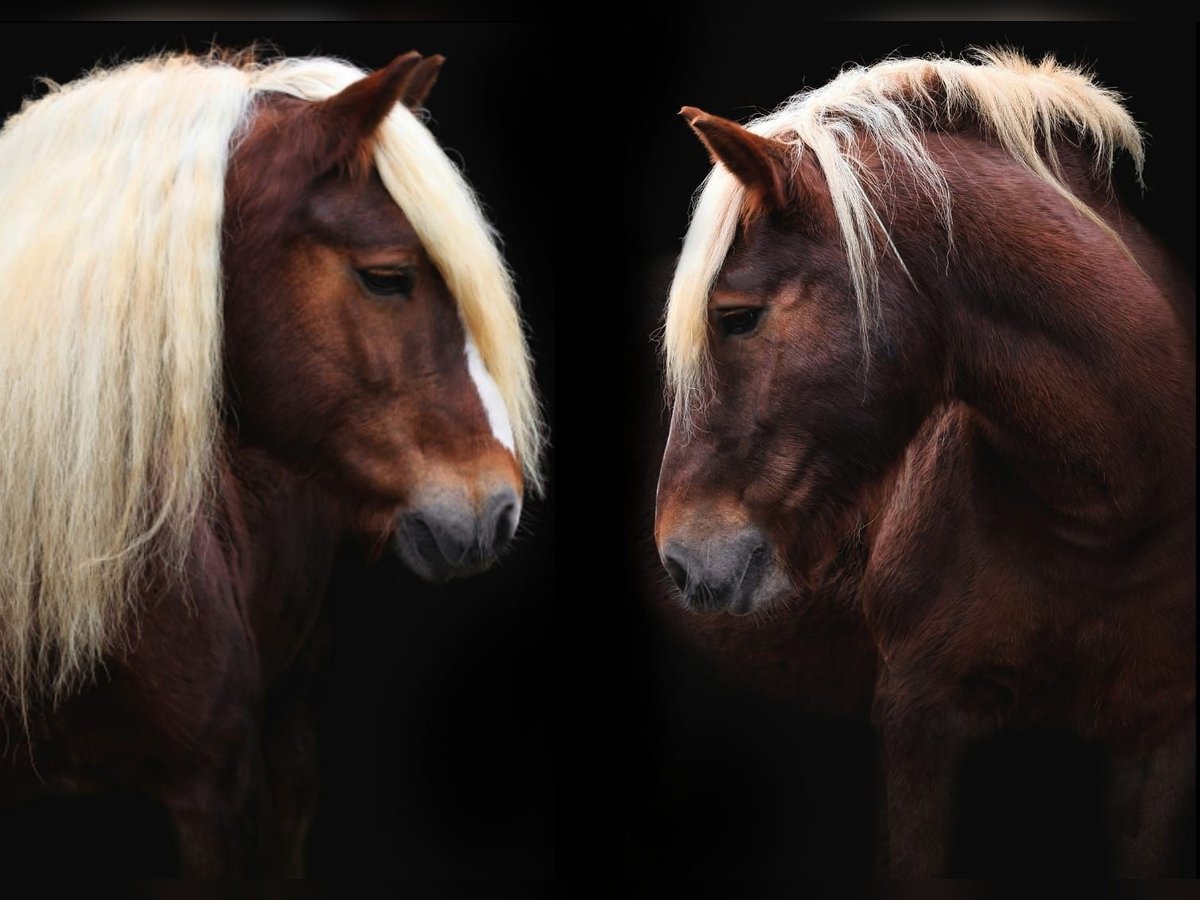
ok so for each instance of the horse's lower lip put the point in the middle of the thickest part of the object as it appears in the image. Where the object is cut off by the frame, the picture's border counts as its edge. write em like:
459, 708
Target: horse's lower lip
467, 571
425, 558
743, 606
704, 603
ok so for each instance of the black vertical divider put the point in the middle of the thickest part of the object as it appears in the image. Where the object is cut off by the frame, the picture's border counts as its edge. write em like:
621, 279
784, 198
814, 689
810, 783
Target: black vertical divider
590, 428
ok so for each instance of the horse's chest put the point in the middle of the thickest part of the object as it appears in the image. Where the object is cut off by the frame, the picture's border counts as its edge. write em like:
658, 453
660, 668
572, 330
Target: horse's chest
1013, 649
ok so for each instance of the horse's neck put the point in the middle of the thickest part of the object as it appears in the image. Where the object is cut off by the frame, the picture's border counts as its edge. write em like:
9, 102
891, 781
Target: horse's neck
279, 533
1075, 359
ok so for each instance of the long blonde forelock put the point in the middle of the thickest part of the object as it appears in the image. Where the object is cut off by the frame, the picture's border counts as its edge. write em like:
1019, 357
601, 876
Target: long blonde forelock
1014, 99
112, 192
447, 216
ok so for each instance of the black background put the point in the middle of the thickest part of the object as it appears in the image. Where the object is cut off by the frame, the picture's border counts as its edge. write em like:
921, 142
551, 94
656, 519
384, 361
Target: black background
437, 713
720, 780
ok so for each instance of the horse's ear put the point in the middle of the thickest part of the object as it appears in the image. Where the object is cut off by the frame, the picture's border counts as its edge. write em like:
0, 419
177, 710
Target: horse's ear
761, 164
422, 80
346, 121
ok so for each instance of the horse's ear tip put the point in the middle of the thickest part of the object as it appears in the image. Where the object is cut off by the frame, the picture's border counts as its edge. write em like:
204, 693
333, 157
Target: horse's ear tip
399, 67
691, 114
431, 65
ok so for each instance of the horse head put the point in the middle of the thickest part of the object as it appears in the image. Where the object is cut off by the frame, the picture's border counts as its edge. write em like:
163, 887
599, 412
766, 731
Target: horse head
347, 351
782, 412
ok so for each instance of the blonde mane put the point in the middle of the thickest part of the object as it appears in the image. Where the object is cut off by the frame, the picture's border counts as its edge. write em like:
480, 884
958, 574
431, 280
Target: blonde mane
891, 102
112, 191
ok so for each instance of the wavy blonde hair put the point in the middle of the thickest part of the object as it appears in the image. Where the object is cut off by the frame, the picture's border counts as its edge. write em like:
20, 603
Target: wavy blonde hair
891, 102
112, 191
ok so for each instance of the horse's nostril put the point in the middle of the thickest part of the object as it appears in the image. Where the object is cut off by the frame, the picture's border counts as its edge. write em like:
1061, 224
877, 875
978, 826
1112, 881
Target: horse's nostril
500, 520
676, 570
420, 532
506, 525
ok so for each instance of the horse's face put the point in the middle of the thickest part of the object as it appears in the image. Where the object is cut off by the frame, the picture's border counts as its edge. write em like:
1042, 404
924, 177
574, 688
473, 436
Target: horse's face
345, 352
757, 480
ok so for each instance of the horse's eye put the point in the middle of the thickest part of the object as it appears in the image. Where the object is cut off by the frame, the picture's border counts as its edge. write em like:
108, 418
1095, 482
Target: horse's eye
739, 321
396, 282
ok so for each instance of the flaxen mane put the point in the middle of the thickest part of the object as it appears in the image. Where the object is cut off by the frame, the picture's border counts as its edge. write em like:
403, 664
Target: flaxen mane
1023, 105
112, 191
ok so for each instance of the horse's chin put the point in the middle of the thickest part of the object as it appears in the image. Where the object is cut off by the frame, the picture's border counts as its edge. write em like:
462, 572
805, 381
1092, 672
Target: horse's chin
772, 592
434, 571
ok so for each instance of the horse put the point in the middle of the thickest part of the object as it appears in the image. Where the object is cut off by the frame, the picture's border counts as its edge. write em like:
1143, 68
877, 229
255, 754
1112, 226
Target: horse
909, 311
250, 309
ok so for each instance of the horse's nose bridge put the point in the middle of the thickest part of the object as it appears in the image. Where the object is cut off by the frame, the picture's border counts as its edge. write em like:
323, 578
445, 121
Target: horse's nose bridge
481, 488
700, 547
687, 520
693, 530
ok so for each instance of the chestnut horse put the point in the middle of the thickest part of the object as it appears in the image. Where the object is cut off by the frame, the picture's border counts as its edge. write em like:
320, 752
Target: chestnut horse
247, 310
908, 309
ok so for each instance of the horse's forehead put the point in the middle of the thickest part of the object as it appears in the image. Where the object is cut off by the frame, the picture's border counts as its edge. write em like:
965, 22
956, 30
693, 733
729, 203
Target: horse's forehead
742, 273
762, 253
360, 212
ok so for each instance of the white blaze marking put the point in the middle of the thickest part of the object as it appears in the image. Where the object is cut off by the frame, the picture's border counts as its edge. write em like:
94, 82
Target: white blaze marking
489, 395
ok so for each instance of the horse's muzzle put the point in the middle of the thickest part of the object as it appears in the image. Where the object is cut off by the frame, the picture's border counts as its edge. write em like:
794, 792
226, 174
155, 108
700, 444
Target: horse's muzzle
726, 573
442, 540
